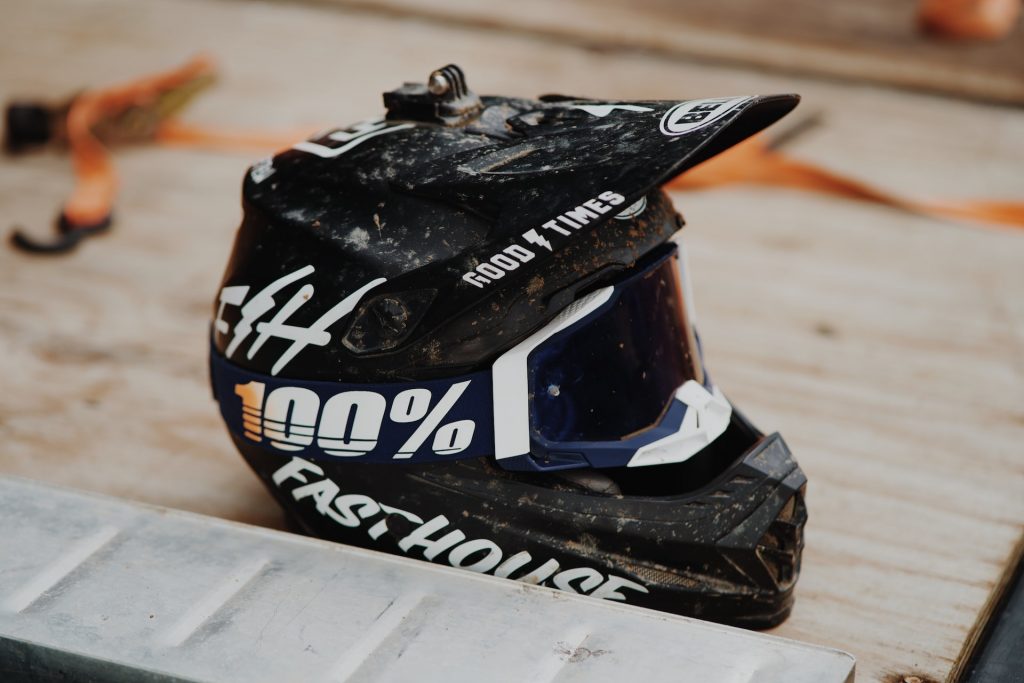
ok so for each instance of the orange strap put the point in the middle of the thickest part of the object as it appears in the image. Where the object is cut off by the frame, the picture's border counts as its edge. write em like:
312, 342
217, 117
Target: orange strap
969, 19
753, 161
92, 199
144, 110
177, 133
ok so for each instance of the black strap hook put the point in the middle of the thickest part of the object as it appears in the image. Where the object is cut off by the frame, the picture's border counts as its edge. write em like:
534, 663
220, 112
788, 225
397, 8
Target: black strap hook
68, 237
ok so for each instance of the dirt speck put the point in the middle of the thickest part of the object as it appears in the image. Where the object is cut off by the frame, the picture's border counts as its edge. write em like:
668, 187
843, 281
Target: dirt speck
908, 678
825, 329
578, 654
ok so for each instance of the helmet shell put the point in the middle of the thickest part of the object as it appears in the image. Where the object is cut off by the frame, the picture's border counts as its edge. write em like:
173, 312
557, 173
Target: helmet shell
481, 231
424, 245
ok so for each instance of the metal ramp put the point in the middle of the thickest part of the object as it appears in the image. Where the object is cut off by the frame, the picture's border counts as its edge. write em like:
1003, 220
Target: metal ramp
99, 589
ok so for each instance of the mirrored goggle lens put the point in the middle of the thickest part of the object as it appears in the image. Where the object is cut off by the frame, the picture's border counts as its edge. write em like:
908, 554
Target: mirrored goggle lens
612, 375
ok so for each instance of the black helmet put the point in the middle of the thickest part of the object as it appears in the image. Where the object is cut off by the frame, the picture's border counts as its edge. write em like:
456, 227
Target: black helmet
463, 333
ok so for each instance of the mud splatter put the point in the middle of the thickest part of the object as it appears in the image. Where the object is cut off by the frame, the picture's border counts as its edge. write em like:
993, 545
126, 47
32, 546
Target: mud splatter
578, 654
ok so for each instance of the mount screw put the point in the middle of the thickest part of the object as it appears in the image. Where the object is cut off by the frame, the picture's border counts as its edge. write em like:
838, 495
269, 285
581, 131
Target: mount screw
438, 84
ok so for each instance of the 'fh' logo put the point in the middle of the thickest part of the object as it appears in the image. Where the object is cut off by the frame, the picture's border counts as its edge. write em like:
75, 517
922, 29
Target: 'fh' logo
262, 302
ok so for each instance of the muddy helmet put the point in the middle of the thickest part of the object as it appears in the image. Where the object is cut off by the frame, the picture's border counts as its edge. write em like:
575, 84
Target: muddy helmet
463, 333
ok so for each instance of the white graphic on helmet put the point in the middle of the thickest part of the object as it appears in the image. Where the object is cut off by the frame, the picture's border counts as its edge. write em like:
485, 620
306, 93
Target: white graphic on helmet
633, 210
436, 544
692, 115
565, 224
706, 418
263, 302
602, 110
262, 169
494, 268
352, 137
349, 424
534, 237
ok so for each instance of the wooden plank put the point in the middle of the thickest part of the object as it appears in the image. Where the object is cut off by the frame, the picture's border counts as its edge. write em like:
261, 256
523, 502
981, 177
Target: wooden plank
863, 40
886, 347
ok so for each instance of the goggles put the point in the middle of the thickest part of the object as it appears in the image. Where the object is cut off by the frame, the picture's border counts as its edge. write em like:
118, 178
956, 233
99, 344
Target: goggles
616, 379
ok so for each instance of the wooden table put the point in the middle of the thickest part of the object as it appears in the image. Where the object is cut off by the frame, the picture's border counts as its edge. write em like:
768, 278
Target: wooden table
873, 40
886, 347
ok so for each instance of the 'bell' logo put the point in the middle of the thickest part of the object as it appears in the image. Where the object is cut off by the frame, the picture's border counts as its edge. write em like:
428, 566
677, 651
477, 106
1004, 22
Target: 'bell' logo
691, 115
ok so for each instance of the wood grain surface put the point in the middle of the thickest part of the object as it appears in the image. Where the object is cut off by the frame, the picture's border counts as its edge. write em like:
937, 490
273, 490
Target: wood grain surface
864, 40
886, 347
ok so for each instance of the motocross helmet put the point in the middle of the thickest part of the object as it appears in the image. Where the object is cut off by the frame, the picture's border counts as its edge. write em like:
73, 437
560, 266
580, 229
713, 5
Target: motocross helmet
463, 333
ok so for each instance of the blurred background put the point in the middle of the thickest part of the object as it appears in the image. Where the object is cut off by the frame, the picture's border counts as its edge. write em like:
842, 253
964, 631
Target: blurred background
885, 342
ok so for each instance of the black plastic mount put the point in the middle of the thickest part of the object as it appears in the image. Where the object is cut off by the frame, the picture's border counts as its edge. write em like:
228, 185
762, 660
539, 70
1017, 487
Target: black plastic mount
28, 125
444, 99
